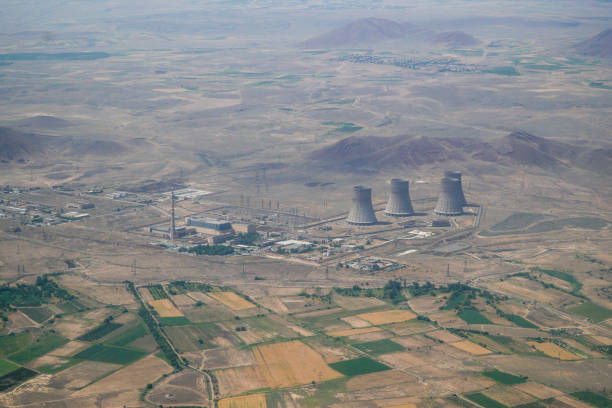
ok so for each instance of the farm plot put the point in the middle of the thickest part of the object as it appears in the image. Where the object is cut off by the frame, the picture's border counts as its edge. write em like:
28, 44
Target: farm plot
127, 336
594, 312
291, 363
110, 354
508, 396
539, 391
355, 322
351, 332
7, 367
165, 308
504, 378
200, 336
232, 300
470, 347
388, 316
15, 377
484, 401
358, 366
246, 401
82, 374
554, 351
38, 314
39, 347
99, 332
380, 347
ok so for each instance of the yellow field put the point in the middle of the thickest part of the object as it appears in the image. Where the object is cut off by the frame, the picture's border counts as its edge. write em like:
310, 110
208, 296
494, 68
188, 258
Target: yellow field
552, 350
165, 308
246, 401
388, 316
606, 341
232, 300
470, 347
350, 332
292, 363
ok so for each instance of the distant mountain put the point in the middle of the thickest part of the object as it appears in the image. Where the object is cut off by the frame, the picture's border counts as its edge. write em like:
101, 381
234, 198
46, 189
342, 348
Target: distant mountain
598, 46
455, 39
16, 145
375, 30
516, 149
42, 122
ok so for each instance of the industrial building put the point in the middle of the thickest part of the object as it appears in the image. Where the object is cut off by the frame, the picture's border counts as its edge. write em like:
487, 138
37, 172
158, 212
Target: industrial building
456, 175
209, 225
450, 199
399, 204
362, 212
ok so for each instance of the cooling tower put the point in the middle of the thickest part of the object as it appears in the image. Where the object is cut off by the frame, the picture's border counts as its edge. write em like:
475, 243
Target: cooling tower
362, 212
450, 200
399, 204
456, 175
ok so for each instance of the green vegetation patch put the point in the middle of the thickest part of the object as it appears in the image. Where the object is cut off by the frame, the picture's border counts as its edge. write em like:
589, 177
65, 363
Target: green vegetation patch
157, 291
39, 347
43, 290
209, 250
14, 342
594, 399
71, 306
99, 331
569, 278
483, 400
110, 354
128, 336
348, 128
358, 366
380, 347
196, 337
591, 310
7, 367
473, 316
519, 321
504, 378
15, 377
174, 321
38, 314
591, 223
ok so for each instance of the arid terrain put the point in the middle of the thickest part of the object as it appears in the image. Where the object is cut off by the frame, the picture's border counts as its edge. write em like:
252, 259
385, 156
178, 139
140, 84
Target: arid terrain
245, 125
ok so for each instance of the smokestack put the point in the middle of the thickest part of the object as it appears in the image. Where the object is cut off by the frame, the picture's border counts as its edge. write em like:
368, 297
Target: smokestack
172, 225
399, 204
450, 199
362, 212
456, 175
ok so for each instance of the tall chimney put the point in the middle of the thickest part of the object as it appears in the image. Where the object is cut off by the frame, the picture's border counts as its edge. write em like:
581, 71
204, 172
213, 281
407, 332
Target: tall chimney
449, 201
362, 212
399, 204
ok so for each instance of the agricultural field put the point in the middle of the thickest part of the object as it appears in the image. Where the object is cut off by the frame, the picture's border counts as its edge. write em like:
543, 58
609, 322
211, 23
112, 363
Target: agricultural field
232, 300
554, 351
247, 401
387, 317
359, 366
99, 332
110, 354
470, 347
379, 347
165, 308
592, 311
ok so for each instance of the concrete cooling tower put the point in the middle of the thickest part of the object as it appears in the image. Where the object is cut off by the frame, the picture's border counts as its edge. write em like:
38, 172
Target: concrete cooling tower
456, 175
399, 204
450, 200
362, 212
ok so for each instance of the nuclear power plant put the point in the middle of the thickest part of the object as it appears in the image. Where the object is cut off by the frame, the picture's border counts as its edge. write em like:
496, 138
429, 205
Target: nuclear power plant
362, 212
399, 204
456, 175
450, 200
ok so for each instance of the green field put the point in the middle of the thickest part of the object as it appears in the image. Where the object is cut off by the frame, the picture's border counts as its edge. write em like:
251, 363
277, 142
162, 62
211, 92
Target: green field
519, 321
504, 378
358, 366
99, 331
564, 276
473, 316
13, 343
15, 377
594, 312
157, 291
580, 222
38, 314
110, 354
483, 400
594, 399
39, 347
380, 347
71, 306
127, 336
174, 321
7, 367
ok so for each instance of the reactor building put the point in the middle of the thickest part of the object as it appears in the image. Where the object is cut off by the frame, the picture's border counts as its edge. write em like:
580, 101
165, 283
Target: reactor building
362, 212
450, 200
456, 175
399, 204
